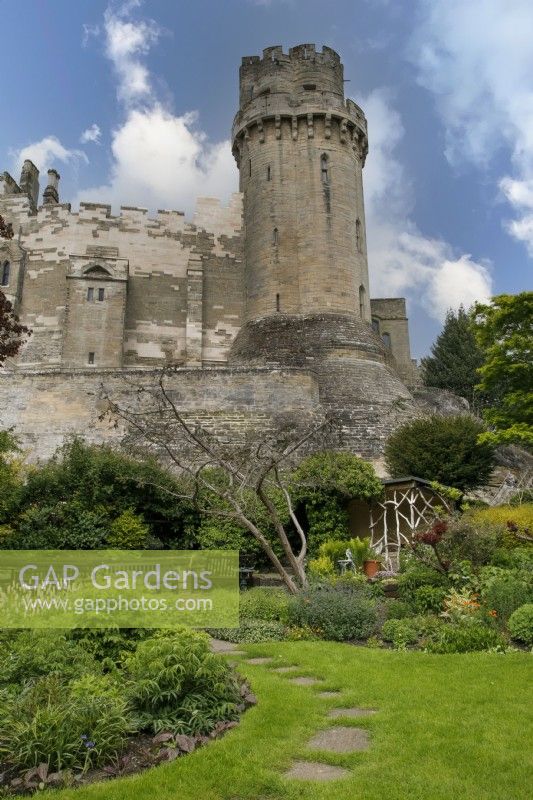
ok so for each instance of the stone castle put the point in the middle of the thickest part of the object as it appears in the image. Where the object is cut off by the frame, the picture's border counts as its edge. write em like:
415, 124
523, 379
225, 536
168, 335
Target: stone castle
262, 306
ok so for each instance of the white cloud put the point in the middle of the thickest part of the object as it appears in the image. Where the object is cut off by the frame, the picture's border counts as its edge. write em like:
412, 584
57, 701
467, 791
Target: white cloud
125, 41
477, 59
163, 161
160, 159
91, 134
403, 261
46, 153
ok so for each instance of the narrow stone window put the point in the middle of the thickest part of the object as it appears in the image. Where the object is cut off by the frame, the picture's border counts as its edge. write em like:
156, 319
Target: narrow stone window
375, 325
101, 293
278, 306
386, 340
250, 167
6, 269
324, 168
275, 237
90, 294
358, 241
309, 87
362, 302
268, 172
90, 359
251, 92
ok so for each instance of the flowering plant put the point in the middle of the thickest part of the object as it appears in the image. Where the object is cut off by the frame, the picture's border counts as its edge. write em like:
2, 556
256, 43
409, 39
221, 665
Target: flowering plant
460, 605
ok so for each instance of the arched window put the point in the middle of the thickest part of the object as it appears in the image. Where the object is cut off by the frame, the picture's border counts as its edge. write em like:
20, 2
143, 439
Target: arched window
324, 168
362, 309
275, 237
358, 241
6, 268
375, 325
386, 340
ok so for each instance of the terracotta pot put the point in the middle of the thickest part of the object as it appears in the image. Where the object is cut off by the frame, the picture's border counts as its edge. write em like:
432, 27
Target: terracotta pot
370, 568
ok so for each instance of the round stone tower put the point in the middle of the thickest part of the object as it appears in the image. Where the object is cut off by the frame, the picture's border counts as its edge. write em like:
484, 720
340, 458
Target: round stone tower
300, 148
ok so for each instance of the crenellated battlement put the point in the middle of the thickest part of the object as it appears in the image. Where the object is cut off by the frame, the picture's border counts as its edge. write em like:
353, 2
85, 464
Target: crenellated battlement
301, 71
301, 52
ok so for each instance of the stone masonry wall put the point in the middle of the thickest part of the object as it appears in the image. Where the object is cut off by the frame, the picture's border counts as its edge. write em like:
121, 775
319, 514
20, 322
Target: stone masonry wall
47, 408
161, 253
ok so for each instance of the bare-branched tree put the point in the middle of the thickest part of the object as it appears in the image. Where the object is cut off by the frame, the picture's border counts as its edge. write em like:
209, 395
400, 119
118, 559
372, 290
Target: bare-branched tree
244, 477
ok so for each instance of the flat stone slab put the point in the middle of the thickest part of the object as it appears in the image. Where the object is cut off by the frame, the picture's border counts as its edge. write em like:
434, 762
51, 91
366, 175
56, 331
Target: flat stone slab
220, 646
328, 694
335, 713
314, 771
340, 740
284, 669
259, 660
304, 681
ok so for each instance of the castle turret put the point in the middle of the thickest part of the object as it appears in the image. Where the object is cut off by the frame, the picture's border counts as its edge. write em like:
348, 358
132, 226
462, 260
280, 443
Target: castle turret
300, 147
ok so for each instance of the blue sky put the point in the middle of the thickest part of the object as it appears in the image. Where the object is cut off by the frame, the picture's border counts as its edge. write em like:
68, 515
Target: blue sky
133, 102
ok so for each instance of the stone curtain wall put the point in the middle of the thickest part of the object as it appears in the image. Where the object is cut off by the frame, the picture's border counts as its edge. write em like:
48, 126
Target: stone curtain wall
184, 286
47, 408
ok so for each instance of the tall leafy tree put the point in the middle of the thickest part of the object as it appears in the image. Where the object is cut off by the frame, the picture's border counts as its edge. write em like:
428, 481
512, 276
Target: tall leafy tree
12, 332
504, 330
455, 357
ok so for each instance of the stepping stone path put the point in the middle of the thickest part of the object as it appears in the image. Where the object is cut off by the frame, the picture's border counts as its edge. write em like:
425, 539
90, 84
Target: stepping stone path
225, 648
314, 771
335, 713
220, 646
340, 740
337, 739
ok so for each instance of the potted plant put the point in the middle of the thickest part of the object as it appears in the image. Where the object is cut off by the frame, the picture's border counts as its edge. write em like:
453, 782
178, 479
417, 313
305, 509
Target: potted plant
365, 556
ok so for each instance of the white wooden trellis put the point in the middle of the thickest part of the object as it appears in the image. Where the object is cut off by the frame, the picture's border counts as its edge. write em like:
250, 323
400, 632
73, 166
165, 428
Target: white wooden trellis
419, 509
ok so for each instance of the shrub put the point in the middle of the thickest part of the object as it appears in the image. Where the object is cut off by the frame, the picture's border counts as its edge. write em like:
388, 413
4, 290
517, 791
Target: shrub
428, 599
65, 525
443, 449
33, 654
467, 539
270, 605
411, 630
128, 532
109, 645
397, 609
78, 725
465, 637
505, 593
400, 632
175, 683
415, 576
320, 567
511, 522
342, 613
102, 477
251, 631
520, 558
521, 624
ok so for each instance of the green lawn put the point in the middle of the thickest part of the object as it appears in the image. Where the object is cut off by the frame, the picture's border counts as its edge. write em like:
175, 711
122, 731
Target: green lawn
448, 727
